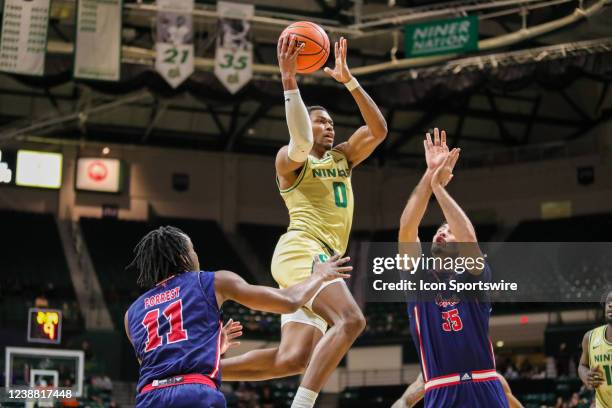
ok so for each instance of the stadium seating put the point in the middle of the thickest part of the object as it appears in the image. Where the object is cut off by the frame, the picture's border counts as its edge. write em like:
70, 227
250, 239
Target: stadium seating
111, 243
370, 397
36, 267
387, 321
262, 239
258, 325
280, 393
211, 244
584, 228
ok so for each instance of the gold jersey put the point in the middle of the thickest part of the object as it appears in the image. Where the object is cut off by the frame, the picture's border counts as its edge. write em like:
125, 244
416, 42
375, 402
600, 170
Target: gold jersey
600, 353
320, 201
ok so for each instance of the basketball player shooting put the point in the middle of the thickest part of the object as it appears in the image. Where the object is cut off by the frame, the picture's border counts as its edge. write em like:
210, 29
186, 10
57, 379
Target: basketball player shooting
596, 357
451, 333
175, 327
314, 179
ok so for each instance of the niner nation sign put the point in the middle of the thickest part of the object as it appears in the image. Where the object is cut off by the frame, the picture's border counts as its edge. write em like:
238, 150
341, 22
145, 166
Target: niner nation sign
457, 35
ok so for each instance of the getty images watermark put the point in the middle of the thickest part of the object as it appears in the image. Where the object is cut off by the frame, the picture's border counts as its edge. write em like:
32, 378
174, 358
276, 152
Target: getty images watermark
448, 268
500, 271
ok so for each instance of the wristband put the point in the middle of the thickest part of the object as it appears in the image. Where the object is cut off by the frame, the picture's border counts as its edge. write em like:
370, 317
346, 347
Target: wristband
352, 84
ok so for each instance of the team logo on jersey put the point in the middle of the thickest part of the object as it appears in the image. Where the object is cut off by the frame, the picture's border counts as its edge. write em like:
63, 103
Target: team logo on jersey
466, 377
596, 342
451, 301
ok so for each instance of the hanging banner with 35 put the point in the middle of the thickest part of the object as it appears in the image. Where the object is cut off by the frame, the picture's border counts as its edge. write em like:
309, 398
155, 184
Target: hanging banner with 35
234, 52
174, 46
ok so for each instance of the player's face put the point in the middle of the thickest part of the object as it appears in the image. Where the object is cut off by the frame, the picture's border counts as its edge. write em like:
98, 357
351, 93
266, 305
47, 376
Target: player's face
444, 241
322, 129
608, 308
193, 257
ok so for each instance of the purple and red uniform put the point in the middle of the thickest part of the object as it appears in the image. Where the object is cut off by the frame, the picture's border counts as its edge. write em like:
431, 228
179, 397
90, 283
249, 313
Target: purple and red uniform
175, 328
451, 335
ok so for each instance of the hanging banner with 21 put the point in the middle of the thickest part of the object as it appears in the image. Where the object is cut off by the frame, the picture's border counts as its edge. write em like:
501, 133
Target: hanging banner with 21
234, 52
174, 47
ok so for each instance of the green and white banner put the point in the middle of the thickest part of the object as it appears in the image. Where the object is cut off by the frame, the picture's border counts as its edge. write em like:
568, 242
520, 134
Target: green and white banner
24, 36
98, 40
174, 48
234, 53
457, 35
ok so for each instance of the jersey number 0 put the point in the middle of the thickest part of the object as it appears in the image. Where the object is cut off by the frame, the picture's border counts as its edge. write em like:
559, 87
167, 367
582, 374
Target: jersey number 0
174, 314
340, 194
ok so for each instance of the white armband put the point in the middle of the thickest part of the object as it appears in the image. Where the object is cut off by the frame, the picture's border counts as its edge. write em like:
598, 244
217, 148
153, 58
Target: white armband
352, 84
300, 128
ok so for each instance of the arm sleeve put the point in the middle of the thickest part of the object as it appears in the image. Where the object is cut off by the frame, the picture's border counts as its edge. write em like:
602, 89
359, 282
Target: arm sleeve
300, 128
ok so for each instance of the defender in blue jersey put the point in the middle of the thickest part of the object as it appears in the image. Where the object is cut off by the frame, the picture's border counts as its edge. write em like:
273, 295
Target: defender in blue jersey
450, 331
175, 327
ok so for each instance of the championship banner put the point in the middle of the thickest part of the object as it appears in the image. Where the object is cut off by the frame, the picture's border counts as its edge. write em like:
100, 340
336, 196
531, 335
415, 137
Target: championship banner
98, 22
174, 47
24, 36
456, 35
234, 53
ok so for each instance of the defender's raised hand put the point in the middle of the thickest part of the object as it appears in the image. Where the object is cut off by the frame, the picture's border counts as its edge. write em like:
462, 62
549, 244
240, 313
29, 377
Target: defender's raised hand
436, 151
229, 332
287, 52
332, 268
444, 173
341, 71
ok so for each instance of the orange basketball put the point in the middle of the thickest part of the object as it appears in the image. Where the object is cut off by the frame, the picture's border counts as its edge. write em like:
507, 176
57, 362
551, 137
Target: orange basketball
316, 45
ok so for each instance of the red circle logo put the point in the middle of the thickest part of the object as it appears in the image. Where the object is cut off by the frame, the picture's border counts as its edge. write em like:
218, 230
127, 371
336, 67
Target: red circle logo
97, 171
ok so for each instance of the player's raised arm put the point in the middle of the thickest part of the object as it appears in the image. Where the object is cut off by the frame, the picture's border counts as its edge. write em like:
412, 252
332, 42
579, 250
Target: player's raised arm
230, 286
435, 153
293, 156
457, 219
363, 142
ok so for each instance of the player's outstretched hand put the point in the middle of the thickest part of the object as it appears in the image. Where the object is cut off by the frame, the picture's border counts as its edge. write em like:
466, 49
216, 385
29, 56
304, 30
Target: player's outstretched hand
287, 52
444, 173
341, 72
232, 330
436, 150
595, 377
333, 268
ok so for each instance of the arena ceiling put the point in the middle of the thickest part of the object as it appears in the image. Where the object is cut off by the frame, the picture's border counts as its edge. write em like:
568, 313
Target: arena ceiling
530, 88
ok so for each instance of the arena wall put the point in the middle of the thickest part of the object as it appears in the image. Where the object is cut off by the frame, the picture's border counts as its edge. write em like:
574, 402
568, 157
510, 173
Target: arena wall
234, 188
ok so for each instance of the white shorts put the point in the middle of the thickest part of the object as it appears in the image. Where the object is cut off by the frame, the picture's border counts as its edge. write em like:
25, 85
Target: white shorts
305, 315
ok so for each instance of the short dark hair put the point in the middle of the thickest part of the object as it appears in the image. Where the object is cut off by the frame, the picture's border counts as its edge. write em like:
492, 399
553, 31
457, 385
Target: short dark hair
160, 254
315, 108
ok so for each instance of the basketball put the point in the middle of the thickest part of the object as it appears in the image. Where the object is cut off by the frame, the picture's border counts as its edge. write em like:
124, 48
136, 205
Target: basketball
316, 45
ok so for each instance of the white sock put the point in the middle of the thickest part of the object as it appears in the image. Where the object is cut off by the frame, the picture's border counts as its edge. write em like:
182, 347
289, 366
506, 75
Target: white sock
304, 398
